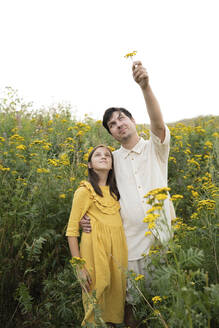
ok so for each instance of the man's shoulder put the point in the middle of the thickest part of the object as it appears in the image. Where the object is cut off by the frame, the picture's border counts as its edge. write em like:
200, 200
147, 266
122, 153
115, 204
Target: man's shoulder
116, 152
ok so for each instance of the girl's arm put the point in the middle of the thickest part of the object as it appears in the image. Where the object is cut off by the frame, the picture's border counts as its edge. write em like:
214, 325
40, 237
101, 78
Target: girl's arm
73, 245
83, 275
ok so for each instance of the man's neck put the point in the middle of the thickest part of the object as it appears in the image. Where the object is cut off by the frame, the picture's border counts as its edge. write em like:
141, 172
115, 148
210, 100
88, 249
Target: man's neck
130, 143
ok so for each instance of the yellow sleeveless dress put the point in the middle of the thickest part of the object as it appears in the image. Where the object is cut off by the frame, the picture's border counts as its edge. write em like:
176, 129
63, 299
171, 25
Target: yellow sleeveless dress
104, 250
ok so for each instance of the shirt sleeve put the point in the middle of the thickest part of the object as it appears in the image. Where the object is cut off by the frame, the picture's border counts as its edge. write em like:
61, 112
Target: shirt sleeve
80, 205
161, 148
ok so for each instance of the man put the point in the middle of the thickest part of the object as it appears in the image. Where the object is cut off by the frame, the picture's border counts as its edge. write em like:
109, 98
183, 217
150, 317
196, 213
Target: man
140, 166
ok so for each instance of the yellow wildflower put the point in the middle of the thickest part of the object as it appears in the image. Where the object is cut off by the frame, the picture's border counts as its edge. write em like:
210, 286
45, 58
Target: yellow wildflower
156, 299
131, 54
151, 225
194, 193
161, 197
194, 216
173, 159
4, 168
21, 147
42, 170
111, 148
139, 277
80, 133
208, 144
53, 161
156, 312
147, 233
175, 197
150, 218
62, 196
77, 261
17, 137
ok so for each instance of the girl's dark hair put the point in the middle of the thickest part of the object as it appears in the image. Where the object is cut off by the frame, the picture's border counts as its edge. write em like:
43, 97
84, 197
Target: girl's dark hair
93, 177
109, 112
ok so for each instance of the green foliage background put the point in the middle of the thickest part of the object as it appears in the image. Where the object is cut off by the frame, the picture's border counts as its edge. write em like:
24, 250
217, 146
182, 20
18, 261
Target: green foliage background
42, 159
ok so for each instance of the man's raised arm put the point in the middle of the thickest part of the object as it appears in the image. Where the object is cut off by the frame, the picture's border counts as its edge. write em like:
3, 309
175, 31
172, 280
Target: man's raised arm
140, 76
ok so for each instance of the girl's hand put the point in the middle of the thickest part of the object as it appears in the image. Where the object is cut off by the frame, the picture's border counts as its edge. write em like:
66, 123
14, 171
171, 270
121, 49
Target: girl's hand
85, 279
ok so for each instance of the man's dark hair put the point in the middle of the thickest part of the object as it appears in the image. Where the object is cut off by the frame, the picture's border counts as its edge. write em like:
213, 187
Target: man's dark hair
109, 112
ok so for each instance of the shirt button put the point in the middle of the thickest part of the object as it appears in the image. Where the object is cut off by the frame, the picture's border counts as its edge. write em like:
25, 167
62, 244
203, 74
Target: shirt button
139, 186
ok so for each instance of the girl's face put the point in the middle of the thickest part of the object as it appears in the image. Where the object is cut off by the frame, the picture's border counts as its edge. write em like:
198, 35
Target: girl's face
101, 160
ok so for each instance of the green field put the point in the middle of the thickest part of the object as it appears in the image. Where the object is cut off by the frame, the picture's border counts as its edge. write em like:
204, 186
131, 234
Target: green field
43, 157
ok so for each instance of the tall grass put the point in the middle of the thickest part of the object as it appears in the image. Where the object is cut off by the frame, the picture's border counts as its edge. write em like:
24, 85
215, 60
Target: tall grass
42, 159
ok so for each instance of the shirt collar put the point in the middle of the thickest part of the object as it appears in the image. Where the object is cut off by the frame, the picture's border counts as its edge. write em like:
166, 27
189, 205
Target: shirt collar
136, 149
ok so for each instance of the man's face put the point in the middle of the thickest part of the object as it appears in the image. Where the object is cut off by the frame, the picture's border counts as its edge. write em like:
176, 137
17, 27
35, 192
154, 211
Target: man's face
121, 126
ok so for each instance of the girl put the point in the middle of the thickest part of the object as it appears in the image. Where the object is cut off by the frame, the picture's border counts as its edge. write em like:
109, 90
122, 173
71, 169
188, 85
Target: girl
104, 249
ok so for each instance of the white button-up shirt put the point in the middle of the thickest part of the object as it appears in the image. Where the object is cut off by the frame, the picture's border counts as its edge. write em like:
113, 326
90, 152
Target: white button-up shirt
138, 171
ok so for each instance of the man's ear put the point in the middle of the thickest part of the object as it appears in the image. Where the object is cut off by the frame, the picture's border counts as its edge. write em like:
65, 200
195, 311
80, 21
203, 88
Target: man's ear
133, 120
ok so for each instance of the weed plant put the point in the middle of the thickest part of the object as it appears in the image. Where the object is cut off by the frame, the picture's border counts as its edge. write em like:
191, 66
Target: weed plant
43, 157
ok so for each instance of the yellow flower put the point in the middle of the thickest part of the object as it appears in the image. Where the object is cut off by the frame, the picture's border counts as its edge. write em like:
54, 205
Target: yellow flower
2, 139
139, 277
151, 225
194, 194
209, 204
192, 161
85, 157
72, 179
175, 197
194, 215
21, 147
147, 233
208, 144
131, 54
80, 133
156, 312
17, 137
62, 196
42, 170
77, 261
151, 218
4, 168
156, 299
111, 148
171, 158
161, 197
53, 161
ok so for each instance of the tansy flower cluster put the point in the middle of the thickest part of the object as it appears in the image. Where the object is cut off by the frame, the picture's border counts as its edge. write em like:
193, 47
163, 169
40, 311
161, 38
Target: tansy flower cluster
77, 261
130, 54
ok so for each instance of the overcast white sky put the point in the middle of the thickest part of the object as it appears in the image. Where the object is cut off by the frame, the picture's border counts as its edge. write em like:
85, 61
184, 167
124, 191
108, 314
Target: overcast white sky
73, 51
